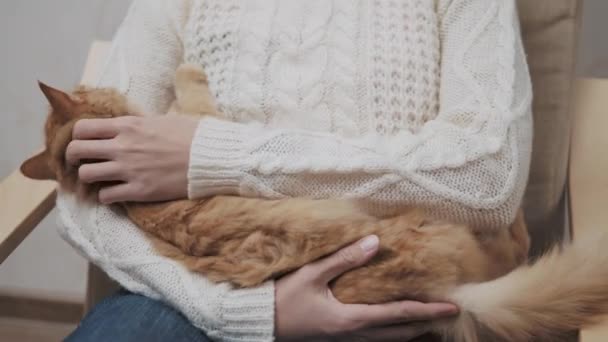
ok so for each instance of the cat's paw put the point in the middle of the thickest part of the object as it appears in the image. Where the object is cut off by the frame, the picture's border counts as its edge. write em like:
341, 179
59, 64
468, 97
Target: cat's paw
193, 96
188, 75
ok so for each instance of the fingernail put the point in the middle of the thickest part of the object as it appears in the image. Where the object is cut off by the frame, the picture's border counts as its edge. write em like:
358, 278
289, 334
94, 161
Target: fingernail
369, 244
450, 310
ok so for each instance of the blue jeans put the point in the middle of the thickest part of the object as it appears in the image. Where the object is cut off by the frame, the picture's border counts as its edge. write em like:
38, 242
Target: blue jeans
126, 317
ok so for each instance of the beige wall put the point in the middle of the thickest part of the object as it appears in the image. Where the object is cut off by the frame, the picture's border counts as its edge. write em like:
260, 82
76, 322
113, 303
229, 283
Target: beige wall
48, 40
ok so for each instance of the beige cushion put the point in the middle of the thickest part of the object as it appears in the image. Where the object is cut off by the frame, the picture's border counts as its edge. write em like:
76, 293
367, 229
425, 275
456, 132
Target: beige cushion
550, 30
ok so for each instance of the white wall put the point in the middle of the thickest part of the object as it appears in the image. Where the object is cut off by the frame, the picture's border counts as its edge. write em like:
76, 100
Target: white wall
48, 40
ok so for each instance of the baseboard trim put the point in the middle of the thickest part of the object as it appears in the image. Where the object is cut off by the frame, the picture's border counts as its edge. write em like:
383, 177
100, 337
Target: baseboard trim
42, 309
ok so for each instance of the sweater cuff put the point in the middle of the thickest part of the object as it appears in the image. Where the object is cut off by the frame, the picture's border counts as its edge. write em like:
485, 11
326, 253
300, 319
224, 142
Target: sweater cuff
248, 314
217, 159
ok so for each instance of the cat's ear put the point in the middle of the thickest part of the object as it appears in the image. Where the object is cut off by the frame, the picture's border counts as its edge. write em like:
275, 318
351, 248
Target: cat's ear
62, 103
37, 167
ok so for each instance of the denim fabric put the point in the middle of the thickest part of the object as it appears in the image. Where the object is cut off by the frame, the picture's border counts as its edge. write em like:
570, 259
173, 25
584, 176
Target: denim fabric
126, 317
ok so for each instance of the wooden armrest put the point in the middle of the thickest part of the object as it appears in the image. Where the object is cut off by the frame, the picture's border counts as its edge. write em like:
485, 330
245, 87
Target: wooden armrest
588, 180
25, 202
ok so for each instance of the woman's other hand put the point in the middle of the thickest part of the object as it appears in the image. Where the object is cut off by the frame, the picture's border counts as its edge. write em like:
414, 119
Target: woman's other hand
306, 308
144, 158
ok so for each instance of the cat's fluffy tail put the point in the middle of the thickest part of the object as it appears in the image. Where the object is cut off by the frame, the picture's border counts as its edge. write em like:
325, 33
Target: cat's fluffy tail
560, 293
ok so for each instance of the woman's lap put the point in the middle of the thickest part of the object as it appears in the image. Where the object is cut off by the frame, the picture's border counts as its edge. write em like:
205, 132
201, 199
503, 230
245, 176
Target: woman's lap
129, 317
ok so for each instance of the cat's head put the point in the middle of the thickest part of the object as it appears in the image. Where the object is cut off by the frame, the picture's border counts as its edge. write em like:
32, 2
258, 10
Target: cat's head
65, 110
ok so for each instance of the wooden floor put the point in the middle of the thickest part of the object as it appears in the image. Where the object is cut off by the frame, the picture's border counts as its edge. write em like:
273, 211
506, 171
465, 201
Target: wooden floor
17, 330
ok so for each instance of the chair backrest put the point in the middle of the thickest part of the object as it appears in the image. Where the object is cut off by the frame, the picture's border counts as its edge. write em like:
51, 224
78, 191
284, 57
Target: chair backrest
550, 30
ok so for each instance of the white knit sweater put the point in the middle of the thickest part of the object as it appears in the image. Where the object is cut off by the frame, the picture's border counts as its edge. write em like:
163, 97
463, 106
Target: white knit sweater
395, 102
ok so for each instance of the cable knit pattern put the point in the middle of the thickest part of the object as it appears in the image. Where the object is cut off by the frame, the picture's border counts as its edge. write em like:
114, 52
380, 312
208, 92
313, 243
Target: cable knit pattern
392, 102
443, 121
405, 65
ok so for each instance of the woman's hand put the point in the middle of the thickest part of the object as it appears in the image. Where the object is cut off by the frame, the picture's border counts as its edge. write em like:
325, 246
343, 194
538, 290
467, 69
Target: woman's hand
306, 308
145, 157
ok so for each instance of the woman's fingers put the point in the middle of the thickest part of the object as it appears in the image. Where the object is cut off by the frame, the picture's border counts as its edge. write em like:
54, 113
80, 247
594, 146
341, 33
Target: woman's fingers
95, 129
100, 172
119, 193
78, 150
153, 152
346, 259
367, 316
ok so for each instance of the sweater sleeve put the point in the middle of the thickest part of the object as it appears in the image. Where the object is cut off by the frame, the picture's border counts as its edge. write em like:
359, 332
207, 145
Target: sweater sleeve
144, 56
470, 163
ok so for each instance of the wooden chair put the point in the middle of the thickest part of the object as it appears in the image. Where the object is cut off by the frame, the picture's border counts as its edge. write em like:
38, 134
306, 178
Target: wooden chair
569, 175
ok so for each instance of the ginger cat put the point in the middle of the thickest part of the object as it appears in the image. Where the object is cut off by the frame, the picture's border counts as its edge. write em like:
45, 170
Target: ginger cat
247, 241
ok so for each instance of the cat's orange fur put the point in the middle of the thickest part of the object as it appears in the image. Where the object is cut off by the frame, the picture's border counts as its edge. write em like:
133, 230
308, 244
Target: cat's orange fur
246, 241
